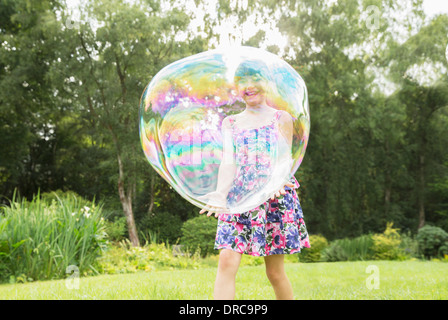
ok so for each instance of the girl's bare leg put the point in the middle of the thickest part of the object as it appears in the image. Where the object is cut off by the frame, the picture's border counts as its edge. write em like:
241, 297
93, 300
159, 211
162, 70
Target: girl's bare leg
228, 264
277, 276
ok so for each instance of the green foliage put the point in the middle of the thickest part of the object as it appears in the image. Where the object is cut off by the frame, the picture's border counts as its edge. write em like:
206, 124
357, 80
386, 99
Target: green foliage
409, 246
246, 260
444, 251
386, 246
4, 248
27, 127
198, 234
68, 105
359, 248
439, 191
389, 245
165, 225
313, 254
59, 195
432, 241
252, 261
41, 238
334, 252
125, 258
116, 229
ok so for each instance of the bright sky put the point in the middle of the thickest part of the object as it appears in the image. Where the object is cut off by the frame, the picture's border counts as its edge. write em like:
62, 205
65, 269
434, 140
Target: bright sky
233, 34
433, 7
273, 36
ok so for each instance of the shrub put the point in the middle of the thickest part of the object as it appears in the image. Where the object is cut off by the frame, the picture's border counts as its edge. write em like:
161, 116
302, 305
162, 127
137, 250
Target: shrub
334, 252
124, 258
165, 225
313, 254
55, 196
4, 248
359, 248
432, 241
41, 238
198, 234
409, 246
116, 229
444, 251
386, 245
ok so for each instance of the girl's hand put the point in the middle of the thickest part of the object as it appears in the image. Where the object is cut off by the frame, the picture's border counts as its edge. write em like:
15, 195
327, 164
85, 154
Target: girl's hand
213, 209
216, 203
282, 191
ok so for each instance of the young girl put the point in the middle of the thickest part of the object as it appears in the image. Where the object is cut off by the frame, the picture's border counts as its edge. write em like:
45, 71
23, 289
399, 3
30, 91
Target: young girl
274, 228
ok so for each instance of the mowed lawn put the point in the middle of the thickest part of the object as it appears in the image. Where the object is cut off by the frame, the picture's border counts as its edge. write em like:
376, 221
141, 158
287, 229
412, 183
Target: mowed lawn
337, 280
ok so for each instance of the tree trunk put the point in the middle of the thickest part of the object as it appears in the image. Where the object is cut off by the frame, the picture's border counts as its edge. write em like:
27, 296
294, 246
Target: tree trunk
126, 202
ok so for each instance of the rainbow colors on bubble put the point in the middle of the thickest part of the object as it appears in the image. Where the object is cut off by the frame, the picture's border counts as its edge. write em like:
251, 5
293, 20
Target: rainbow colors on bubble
181, 115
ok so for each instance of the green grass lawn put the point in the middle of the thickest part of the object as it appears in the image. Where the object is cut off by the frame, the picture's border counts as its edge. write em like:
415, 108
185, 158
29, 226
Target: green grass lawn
337, 280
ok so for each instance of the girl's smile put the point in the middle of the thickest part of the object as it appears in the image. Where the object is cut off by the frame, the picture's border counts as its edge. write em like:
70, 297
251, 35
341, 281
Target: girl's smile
251, 90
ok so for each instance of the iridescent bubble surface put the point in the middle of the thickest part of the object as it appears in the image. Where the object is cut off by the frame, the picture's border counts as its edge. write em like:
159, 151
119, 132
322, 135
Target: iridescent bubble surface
226, 127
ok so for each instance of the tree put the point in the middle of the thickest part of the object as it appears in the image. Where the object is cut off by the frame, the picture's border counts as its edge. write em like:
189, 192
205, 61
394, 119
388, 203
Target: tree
423, 97
358, 166
113, 58
342, 178
27, 110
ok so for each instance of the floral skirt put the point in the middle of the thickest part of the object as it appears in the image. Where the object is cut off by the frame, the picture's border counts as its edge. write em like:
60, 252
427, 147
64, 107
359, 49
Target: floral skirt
274, 227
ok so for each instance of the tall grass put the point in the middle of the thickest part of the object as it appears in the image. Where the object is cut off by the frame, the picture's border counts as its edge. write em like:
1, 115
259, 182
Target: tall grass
360, 248
40, 238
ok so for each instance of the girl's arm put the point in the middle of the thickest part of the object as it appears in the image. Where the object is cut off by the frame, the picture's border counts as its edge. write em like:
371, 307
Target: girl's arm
227, 169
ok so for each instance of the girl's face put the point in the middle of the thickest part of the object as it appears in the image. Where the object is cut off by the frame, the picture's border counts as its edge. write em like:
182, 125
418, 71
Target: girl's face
252, 89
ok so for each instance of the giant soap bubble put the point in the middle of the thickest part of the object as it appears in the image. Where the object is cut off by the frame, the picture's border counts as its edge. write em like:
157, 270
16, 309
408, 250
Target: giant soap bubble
226, 127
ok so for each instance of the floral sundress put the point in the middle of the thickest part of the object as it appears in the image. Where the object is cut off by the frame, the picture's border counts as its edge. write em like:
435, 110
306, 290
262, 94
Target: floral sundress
274, 227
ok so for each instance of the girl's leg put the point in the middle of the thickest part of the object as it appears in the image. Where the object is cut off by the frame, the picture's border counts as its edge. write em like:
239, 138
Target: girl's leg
228, 264
277, 276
